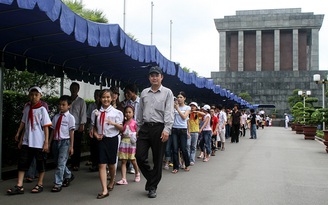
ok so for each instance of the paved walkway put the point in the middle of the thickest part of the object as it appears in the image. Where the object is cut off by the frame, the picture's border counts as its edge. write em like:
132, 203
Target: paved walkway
280, 167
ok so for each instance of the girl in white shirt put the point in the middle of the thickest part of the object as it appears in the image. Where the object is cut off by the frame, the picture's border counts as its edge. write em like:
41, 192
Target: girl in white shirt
107, 124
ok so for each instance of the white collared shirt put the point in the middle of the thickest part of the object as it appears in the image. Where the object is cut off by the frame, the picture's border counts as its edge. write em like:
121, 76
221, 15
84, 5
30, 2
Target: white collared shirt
34, 137
79, 111
67, 124
112, 114
156, 107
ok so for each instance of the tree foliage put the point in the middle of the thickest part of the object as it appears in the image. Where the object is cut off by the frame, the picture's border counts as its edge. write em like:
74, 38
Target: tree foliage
20, 81
188, 70
92, 15
133, 37
246, 96
294, 98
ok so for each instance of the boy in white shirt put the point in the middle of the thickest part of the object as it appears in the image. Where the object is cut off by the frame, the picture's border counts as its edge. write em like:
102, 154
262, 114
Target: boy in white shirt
63, 125
34, 143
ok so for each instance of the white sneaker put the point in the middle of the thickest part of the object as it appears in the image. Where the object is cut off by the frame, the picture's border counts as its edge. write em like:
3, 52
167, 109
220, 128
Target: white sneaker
166, 166
132, 171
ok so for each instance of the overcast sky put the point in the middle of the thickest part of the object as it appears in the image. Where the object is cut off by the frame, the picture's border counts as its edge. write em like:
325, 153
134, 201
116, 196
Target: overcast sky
195, 40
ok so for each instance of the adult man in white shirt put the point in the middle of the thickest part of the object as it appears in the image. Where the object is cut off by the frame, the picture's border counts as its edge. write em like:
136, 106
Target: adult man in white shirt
79, 111
155, 119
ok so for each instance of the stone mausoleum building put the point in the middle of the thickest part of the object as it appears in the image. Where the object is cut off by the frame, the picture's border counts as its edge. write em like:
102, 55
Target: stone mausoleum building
269, 53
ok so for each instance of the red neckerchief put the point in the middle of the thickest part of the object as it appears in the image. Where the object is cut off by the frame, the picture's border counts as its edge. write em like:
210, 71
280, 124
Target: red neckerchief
30, 112
102, 120
58, 124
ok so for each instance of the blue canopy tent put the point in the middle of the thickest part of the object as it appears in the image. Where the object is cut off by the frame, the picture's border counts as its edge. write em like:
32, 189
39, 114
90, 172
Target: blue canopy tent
45, 36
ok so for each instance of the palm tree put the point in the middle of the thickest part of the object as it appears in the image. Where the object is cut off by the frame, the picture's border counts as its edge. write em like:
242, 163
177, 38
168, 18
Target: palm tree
93, 15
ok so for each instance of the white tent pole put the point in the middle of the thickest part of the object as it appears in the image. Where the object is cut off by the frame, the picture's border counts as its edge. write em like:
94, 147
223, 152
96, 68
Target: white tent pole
61, 92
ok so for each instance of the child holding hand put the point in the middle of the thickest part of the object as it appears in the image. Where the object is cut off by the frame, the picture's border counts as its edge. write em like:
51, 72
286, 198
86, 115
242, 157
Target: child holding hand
127, 149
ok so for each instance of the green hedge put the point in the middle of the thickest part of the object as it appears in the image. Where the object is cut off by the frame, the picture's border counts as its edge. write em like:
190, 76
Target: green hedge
13, 105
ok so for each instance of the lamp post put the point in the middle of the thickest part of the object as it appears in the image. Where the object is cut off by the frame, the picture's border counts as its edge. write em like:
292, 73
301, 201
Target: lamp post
304, 94
171, 22
317, 79
124, 16
151, 23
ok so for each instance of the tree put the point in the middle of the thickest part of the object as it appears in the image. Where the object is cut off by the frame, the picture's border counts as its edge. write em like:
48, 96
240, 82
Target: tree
246, 96
20, 81
292, 100
133, 37
92, 15
188, 70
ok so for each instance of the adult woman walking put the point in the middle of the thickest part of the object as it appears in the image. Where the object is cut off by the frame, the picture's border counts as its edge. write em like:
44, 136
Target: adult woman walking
179, 132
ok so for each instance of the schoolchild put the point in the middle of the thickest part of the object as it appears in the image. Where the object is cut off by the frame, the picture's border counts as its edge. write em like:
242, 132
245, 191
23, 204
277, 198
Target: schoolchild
62, 136
34, 143
107, 125
127, 149
32, 173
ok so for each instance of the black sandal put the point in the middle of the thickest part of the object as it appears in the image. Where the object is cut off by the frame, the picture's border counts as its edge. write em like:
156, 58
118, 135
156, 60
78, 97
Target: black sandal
101, 196
56, 188
110, 188
37, 189
16, 190
67, 181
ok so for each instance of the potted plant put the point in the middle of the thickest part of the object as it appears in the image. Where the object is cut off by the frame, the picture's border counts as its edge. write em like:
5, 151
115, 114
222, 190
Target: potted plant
312, 120
324, 118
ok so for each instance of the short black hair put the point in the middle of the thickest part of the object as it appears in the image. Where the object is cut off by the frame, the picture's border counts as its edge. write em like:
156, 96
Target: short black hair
66, 98
115, 90
131, 87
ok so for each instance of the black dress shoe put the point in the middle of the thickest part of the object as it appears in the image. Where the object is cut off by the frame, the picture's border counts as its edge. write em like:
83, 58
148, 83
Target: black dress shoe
152, 193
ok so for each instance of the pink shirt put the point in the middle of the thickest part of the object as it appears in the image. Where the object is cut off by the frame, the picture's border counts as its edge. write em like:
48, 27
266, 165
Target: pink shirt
132, 124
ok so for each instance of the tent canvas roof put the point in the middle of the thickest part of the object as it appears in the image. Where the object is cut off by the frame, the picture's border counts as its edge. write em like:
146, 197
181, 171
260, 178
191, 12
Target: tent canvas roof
47, 37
